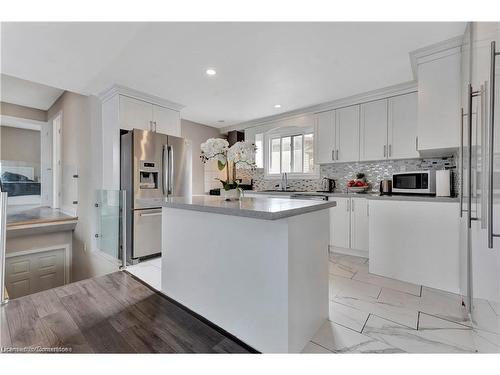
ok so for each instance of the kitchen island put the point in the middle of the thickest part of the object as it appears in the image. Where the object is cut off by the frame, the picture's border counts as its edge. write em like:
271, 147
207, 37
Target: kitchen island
257, 268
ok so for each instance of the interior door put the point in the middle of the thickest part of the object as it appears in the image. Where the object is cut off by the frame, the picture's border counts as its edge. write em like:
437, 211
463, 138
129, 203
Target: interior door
347, 133
46, 167
325, 137
340, 223
402, 129
373, 128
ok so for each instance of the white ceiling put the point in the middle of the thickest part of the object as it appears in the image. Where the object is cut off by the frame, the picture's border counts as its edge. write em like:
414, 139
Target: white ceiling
27, 93
258, 64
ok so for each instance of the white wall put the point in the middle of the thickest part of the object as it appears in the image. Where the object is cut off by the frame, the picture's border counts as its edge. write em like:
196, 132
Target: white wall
81, 150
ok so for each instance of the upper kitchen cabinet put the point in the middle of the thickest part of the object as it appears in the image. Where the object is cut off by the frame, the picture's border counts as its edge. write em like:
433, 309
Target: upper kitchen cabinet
325, 137
126, 109
139, 114
373, 130
166, 121
402, 127
135, 113
439, 97
347, 134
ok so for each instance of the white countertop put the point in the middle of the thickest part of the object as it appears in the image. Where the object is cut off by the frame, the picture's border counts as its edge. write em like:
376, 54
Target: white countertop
258, 208
368, 195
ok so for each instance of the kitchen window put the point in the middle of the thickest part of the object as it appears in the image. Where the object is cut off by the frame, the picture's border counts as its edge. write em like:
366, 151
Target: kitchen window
290, 152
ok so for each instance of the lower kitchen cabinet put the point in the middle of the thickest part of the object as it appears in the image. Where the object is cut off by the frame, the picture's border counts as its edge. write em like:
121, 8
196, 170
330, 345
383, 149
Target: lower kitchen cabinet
349, 226
417, 242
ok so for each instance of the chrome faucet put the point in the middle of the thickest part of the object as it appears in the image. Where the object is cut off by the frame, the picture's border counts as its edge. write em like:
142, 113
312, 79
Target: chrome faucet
284, 181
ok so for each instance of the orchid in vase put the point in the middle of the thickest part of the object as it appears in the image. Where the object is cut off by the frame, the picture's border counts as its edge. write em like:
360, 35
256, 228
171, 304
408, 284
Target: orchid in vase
240, 155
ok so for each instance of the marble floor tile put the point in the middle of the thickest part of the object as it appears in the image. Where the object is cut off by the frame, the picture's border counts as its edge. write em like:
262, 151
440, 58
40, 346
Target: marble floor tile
386, 282
151, 275
444, 331
352, 288
486, 342
340, 339
408, 339
339, 269
495, 306
396, 313
344, 258
347, 316
444, 305
312, 348
484, 316
433, 303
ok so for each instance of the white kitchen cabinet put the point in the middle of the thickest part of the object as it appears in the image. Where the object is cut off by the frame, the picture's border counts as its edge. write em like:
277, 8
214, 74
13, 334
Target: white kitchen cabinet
325, 137
439, 97
349, 226
359, 224
373, 130
166, 121
402, 126
340, 223
138, 114
347, 134
417, 242
135, 114
123, 108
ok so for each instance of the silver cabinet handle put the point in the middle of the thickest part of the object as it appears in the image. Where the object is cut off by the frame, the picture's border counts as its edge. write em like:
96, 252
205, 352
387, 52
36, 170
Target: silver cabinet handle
337, 154
151, 214
348, 204
390, 150
385, 151
352, 204
156, 129
491, 147
416, 143
333, 154
150, 126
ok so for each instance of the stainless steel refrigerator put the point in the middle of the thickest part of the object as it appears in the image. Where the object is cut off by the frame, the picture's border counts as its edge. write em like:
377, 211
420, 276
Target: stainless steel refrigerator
153, 165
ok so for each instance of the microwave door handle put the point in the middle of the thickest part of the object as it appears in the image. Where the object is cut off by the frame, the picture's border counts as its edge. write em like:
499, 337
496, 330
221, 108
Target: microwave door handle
164, 170
170, 169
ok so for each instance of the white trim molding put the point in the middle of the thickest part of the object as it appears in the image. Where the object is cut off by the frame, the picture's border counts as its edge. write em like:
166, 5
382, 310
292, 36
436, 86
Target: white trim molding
434, 51
386, 92
131, 93
21, 123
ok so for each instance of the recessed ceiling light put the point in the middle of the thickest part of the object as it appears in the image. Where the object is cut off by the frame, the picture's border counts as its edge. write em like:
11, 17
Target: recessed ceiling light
277, 106
210, 72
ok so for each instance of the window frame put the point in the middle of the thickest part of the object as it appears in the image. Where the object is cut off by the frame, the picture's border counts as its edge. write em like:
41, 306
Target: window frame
291, 132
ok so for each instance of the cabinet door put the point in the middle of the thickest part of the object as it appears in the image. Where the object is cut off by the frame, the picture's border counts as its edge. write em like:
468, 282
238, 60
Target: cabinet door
359, 224
135, 114
339, 223
373, 128
166, 121
403, 127
347, 133
439, 104
325, 137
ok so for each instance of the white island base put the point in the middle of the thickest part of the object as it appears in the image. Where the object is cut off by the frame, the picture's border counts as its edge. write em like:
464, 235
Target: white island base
263, 281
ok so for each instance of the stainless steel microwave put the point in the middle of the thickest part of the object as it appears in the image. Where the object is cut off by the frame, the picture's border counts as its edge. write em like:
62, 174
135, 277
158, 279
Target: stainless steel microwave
417, 182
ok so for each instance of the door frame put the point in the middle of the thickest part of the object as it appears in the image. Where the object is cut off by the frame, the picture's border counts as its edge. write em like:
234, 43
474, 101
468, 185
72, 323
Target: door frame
56, 122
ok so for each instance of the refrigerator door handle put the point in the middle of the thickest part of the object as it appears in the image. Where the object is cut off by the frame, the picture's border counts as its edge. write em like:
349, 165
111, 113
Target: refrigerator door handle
491, 147
165, 170
170, 169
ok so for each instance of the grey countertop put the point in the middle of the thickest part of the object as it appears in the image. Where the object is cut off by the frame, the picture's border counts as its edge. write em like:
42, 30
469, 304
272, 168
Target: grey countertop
257, 208
369, 195
33, 215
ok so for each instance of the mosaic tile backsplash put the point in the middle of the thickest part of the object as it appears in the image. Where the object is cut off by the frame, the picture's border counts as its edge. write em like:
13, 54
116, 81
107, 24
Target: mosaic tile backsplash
343, 172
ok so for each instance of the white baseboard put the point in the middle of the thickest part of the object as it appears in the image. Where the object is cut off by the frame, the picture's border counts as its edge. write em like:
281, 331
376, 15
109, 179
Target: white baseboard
345, 251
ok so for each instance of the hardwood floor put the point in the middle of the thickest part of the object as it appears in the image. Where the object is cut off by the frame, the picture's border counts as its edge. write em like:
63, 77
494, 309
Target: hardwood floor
109, 314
